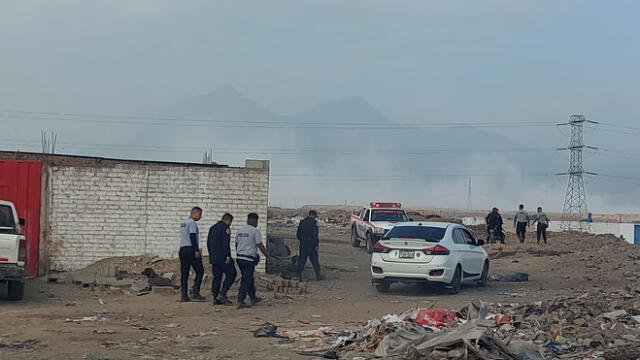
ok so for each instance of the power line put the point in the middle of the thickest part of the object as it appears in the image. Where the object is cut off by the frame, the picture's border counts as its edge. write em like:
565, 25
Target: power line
220, 123
282, 151
433, 176
612, 130
374, 178
619, 126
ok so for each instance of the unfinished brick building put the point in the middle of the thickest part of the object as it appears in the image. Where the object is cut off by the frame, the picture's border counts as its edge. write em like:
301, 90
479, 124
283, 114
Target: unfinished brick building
83, 209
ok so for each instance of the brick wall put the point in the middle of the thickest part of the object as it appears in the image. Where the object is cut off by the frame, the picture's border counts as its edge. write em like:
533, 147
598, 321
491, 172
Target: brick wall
126, 209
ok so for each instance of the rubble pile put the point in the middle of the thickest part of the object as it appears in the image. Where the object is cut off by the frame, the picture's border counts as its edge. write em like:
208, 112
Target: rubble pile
592, 325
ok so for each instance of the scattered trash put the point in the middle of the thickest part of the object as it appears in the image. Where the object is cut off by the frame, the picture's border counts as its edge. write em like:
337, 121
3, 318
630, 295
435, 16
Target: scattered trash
101, 302
266, 330
20, 345
104, 331
98, 318
517, 277
504, 319
436, 317
614, 315
71, 303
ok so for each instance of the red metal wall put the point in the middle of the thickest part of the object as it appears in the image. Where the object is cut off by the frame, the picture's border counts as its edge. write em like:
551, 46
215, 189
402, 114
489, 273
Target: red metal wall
20, 183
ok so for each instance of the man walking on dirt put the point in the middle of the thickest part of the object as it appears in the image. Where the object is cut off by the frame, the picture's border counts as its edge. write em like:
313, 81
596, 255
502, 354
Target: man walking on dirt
309, 243
543, 224
494, 223
191, 256
219, 245
248, 242
520, 222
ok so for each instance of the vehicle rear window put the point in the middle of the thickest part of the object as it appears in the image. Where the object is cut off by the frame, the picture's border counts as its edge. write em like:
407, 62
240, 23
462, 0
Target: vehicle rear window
388, 215
426, 233
6, 217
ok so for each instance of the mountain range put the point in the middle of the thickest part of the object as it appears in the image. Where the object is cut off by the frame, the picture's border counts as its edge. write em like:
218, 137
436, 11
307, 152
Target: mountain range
365, 163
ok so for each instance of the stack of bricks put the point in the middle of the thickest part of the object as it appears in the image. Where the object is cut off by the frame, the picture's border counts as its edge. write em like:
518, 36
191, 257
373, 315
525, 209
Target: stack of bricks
281, 287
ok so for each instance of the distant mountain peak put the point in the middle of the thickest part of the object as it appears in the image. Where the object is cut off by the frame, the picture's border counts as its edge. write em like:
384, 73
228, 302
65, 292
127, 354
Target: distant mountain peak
226, 89
224, 102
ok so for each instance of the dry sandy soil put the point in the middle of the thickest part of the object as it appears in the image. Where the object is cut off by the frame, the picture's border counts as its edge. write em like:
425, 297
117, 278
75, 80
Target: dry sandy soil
157, 326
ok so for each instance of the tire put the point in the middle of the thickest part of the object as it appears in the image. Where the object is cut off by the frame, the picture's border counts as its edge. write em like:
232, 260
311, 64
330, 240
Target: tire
369, 243
383, 287
484, 278
16, 290
454, 285
355, 242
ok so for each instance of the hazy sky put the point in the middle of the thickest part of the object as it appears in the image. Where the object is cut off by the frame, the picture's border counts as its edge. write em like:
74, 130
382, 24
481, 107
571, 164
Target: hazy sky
415, 61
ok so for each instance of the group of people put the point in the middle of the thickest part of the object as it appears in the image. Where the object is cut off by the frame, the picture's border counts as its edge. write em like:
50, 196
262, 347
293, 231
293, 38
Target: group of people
248, 245
521, 221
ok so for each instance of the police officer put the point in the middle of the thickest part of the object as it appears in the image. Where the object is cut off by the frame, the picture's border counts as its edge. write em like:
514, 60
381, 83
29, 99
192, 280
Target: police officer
219, 246
248, 242
191, 256
309, 242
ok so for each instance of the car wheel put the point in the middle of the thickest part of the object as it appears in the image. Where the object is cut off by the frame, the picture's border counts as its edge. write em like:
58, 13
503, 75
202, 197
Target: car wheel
355, 242
383, 286
16, 290
369, 243
484, 278
454, 285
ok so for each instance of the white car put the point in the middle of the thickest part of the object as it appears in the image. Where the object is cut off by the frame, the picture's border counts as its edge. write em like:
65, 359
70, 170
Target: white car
429, 252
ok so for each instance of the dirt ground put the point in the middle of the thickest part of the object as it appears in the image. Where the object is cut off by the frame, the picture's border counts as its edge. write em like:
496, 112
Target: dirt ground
157, 326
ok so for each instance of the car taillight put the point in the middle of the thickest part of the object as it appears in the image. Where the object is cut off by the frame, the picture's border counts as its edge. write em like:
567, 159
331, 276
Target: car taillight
22, 250
436, 250
379, 248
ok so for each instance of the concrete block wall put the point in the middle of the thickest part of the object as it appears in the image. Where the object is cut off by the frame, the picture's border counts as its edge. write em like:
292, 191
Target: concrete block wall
132, 209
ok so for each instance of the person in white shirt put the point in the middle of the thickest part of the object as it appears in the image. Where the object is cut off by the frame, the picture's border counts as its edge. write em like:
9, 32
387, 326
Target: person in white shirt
520, 222
543, 224
191, 256
248, 242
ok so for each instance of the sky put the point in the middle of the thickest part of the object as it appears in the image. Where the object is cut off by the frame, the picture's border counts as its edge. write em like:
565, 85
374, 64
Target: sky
414, 61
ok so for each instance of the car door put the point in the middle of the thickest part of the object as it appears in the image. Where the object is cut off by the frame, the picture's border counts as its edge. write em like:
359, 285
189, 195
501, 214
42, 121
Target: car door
460, 248
474, 253
362, 230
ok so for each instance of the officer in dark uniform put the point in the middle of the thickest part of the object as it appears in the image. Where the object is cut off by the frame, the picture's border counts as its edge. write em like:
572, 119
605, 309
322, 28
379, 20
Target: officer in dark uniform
308, 236
219, 246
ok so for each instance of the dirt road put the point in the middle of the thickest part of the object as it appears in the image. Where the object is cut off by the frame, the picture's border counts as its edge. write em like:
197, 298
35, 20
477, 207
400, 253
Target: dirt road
157, 326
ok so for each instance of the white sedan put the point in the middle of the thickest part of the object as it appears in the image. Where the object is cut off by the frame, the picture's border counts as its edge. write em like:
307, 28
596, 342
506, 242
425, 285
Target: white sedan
429, 252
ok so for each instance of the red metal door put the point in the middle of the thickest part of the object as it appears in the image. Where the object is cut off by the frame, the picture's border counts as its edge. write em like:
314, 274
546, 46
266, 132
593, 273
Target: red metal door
20, 183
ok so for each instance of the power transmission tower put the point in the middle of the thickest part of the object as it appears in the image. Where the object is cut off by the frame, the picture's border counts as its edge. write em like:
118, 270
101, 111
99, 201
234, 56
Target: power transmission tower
469, 204
575, 202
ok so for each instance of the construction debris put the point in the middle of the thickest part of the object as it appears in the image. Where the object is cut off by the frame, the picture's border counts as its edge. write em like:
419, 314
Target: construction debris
588, 326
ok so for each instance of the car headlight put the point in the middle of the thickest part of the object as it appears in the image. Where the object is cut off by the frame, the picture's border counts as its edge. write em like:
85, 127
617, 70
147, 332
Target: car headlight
379, 230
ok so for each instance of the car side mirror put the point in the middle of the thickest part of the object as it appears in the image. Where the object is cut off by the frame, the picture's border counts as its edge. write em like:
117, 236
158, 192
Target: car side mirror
411, 219
21, 222
480, 242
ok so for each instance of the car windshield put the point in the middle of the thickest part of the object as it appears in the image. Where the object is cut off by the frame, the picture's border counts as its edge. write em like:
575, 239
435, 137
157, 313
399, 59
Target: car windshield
426, 233
388, 215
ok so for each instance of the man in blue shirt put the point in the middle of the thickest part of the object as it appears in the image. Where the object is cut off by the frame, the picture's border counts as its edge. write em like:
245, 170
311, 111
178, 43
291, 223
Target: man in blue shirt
191, 256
